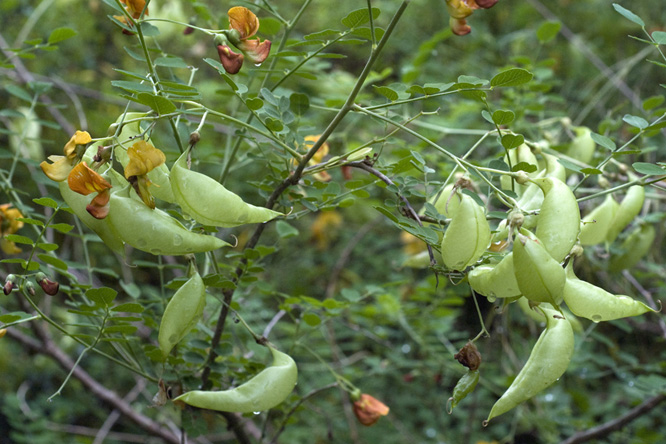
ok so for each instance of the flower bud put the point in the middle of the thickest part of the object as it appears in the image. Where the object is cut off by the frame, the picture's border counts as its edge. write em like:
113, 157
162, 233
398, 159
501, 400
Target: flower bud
50, 287
368, 410
469, 356
195, 137
30, 288
3, 332
9, 284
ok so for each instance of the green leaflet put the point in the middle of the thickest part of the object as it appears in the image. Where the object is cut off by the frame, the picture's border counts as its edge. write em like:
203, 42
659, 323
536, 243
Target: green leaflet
209, 202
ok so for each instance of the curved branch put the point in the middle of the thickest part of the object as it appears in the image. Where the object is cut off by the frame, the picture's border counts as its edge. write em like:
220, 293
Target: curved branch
617, 423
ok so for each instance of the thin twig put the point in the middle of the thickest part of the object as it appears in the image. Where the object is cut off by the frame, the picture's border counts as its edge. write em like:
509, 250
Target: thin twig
617, 423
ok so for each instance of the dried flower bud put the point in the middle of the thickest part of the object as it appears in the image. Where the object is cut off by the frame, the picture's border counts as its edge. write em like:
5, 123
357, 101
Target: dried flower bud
195, 137
469, 356
187, 31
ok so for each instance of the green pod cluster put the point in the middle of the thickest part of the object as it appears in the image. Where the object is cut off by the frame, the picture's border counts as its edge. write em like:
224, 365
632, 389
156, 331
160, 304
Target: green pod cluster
182, 313
78, 203
558, 223
548, 361
597, 223
264, 391
159, 176
154, 231
582, 146
540, 278
467, 236
629, 208
634, 248
465, 385
208, 202
496, 280
596, 304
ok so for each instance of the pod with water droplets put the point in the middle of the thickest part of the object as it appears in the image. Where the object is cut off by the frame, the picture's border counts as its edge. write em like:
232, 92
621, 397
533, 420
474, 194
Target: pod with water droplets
558, 223
596, 304
467, 236
208, 202
548, 361
495, 280
264, 391
153, 230
540, 278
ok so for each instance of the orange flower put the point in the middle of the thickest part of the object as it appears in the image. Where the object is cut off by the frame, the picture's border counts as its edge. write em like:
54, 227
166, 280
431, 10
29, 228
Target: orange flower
9, 225
243, 24
143, 158
134, 7
84, 180
62, 165
368, 410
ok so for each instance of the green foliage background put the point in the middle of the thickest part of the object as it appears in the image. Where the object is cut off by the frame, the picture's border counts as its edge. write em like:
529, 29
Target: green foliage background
335, 296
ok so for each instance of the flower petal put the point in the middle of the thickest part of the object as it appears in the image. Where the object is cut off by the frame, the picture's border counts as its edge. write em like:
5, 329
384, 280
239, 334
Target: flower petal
79, 138
255, 50
231, 61
368, 410
244, 21
84, 180
59, 169
143, 158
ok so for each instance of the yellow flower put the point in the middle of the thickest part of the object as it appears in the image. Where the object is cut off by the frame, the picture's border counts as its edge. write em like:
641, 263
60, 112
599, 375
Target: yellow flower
368, 410
9, 225
143, 158
243, 25
134, 7
318, 157
84, 180
62, 165
325, 228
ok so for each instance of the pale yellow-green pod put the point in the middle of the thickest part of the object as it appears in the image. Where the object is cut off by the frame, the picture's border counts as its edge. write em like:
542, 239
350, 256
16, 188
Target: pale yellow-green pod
495, 280
629, 208
208, 202
634, 247
447, 202
597, 223
161, 186
558, 223
522, 153
182, 313
537, 315
418, 260
548, 361
540, 277
596, 304
467, 236
582, 146
78, 203
552, 167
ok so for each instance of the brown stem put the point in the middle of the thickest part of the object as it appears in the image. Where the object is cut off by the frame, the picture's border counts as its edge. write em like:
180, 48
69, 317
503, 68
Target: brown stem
617, 423
46, 346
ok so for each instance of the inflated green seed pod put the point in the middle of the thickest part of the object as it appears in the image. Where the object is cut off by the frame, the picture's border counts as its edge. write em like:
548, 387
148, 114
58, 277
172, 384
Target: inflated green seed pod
582, 146
536, 314
182, 313
548, 361
161, 186
467, 236
264, 391
552, 167
596, 304
540, 278
465, 385
639, 242
495, 280
208, 202
154, 231
597, 223
558, 223
78, 203
447, 202
629, 208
